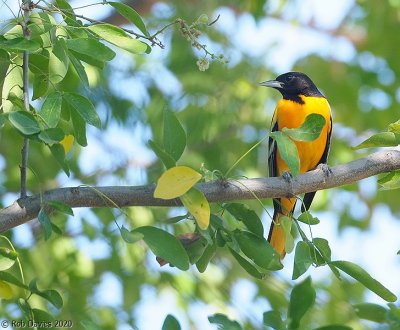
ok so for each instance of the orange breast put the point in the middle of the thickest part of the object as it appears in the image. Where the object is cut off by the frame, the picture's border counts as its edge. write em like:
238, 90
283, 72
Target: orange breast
292, 115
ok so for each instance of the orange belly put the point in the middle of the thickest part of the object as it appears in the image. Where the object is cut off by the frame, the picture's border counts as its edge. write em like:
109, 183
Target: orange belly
292, 115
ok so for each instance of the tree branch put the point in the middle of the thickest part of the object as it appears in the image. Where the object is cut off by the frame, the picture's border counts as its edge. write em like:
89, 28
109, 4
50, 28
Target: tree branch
26, 7
25, 209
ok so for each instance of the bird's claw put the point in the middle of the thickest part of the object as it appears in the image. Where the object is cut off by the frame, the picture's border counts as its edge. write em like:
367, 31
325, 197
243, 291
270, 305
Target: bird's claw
326, 169
287, 177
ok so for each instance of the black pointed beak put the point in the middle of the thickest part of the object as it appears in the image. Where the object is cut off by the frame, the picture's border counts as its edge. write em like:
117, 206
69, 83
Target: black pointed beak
272, 83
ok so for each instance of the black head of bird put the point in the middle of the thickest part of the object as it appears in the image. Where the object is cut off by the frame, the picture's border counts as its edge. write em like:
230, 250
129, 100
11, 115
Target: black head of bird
293, 84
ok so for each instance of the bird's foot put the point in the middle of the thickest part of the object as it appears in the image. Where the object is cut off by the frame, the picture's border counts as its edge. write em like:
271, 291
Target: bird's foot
287, 177
326, 169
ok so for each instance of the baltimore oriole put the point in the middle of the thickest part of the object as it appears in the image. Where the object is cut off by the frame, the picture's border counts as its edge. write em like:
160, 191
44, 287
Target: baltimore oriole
300, 98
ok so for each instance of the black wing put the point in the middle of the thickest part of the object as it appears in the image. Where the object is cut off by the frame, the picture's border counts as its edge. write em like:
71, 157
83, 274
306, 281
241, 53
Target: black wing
272, 163
308, 197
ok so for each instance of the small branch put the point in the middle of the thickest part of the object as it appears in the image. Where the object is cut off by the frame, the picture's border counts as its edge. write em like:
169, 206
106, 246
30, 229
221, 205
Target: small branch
26, 7
153, 38
26, 209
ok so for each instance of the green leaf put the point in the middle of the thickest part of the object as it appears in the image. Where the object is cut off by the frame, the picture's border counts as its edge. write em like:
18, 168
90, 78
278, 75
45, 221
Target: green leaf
274, 320
6, 291
383, 139
51, 135
394, 315
165, 246
288, 151
130, 236
79, 68
3, 118
394, 127
19, 44
60, 207
45, 222
390, 181
371, 312
302, 259
79, 127
40, 23
58, 152
58, 61
323, 247
15, 32
131, 15
302, 298
84, 107
91, 48
194, 247
4, 65
24, 122
321, 254
118, 37
9, 278
176, 219
16, 101
216, 221
88, 59
205, 258
41, 317
246, 265
51, 109
364, 278
223, 322
63, 4
167, 159
174, 135
56, 229
40, 85
306, 217
309, 130
259, 250
250, 218
39, 63
221, 238
51, 296
7, 258
171, 323
24, 306
12, 85
286, 224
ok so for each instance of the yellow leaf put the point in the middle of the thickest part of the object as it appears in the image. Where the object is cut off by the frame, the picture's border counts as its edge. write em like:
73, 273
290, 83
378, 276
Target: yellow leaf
6, 291
67, 142
175, 182
197, 204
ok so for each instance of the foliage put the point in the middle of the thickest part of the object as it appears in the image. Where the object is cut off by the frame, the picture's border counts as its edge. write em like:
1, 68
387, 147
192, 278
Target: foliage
211, 123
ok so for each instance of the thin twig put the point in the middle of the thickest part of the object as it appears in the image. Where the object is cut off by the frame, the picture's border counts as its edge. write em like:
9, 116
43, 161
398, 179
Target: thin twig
152, 38
214, 21
26, 7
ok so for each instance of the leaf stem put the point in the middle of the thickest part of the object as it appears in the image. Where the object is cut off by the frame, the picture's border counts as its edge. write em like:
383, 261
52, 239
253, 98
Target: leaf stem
18, 260
244, 155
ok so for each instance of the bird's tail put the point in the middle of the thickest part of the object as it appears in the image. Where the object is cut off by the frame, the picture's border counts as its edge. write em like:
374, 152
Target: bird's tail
276, 235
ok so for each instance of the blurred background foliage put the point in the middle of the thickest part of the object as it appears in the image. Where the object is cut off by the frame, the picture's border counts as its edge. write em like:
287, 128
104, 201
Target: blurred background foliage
224, 113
